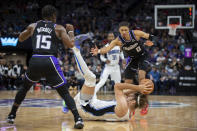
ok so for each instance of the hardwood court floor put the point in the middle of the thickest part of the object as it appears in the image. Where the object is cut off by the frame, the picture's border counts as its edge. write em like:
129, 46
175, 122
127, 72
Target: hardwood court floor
41, 111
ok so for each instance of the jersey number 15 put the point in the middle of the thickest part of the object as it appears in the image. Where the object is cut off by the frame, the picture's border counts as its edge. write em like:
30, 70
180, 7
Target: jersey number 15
43, 41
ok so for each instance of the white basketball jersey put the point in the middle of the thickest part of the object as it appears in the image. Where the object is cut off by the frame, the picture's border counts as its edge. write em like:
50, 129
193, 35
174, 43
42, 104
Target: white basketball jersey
99, 110
114, 55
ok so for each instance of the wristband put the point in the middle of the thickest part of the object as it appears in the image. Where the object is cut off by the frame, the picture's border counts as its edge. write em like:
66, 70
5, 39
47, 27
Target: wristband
99, 51
151, 37
70, 31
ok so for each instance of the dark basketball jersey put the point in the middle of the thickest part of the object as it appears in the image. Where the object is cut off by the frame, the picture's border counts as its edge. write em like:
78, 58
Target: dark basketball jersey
132, 48
44, 39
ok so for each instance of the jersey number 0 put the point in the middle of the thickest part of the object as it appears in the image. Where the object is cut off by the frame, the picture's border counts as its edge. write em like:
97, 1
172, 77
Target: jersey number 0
43, 41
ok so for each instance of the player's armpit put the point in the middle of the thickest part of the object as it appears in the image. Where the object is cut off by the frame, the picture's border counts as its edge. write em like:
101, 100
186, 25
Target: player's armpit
26, 33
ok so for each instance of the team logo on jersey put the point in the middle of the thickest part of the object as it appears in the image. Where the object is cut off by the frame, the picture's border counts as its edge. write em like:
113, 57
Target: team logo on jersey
130, 47
8, 41
53, 103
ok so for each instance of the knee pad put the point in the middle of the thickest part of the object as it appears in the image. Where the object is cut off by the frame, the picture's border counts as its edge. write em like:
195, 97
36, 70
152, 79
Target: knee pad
90, 79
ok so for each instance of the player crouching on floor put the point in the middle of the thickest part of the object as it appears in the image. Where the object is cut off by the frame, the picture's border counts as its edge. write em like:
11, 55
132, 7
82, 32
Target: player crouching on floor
128, 98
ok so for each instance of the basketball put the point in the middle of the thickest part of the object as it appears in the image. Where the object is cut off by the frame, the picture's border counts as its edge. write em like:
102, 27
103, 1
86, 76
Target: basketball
152, 84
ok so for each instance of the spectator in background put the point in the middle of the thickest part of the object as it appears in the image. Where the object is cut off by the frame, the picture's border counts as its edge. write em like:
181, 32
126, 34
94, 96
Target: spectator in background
72, 82
155, 77
5, 70
12, 76
71, 71
164, 81
195, 62
160, 58
18, 69
98, 72
59, 60
174, 73
66, 72
1, 72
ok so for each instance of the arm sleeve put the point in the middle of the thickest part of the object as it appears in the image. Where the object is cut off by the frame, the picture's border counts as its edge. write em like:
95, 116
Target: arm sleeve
102, 57
80, 38
121, 55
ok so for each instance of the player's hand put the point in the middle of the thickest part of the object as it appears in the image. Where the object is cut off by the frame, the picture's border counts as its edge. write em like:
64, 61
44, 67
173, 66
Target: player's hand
149, 43
145, 88
94, 51
107, 61
69, 27
124, 63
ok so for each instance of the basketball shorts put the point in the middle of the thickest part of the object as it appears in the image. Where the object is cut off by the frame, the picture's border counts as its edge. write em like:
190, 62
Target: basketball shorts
136, 64
45, 66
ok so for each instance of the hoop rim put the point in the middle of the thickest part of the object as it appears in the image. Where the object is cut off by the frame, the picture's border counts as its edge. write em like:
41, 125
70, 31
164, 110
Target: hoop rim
173, 26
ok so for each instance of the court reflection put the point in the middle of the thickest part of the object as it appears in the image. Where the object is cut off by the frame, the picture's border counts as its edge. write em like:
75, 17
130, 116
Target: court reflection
132, 125
4, 126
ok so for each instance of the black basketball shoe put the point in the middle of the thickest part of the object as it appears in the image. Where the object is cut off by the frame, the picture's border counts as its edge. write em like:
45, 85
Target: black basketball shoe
78, 123
11, 118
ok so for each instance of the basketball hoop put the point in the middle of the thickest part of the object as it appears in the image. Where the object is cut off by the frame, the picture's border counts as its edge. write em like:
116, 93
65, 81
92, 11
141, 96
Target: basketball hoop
172, 29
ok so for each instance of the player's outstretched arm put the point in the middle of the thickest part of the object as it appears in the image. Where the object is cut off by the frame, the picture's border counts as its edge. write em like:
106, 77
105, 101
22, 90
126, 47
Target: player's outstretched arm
143, 88
140, 34
26, 33
104, 50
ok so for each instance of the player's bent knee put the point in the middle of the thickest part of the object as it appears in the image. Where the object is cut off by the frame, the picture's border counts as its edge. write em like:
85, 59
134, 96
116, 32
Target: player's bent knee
90, 79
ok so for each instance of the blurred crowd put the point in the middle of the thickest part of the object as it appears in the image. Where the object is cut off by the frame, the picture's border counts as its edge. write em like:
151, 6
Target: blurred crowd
98, 17
11, 73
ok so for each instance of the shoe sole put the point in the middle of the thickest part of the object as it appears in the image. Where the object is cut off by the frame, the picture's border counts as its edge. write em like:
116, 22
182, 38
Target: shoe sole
10, 121
79, 126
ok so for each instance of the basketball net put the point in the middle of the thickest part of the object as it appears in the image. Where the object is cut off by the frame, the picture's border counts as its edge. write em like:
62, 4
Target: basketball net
172, 29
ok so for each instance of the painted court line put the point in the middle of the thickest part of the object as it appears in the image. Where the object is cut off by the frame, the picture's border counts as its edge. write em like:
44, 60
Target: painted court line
173, 126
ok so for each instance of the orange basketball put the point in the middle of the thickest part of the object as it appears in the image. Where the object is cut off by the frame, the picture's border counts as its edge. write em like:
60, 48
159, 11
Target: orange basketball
150, 81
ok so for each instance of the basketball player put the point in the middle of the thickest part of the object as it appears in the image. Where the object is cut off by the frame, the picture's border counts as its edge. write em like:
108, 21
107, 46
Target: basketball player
78, 41
112, 67
119, 110
132, 47
45, 35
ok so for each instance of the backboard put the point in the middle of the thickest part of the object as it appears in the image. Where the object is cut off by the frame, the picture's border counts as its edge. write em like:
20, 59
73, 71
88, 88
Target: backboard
183, 15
